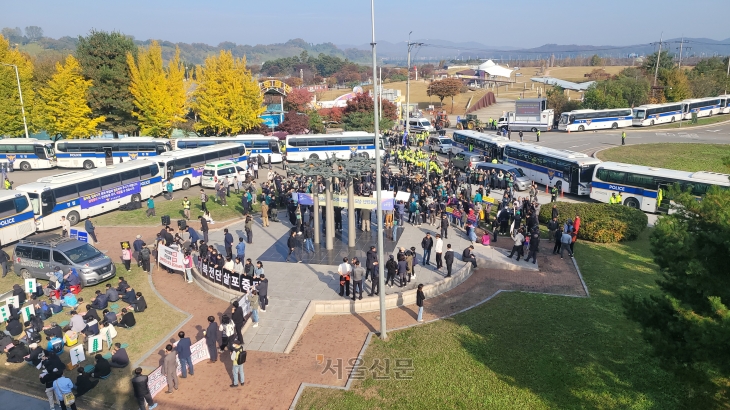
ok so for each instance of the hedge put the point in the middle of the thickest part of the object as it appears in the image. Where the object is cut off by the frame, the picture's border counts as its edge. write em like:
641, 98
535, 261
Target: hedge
603, 223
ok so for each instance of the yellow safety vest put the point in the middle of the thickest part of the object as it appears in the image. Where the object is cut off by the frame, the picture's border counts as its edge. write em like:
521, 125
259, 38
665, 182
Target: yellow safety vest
186, 204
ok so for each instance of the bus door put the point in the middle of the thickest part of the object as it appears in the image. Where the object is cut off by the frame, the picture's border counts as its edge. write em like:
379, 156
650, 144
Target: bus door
40, 152
574, 180
108, 156
662, 202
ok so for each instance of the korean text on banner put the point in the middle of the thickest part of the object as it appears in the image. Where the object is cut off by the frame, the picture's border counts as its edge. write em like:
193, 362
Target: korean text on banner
107, 195
156, 381
171, 258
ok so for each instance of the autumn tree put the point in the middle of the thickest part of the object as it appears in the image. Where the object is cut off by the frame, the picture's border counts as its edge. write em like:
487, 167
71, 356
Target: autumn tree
298, 100
596, 61
666, 61
11, 115
228, 99
159, 92
294, 123
64, 111
360, 111
676, 85
103, 59
558, 101
448, 87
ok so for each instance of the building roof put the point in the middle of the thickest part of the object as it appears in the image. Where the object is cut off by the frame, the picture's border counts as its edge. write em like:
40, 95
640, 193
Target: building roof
568, 85
491, 68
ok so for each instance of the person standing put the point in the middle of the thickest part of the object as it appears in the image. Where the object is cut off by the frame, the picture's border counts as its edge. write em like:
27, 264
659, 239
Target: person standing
420, 297
203, 201
150, 207
186, 208
439, 248
4, 259
238, 358
211, 337
449, 259
263, 289
520, 136
623, 138
519, 239
253, 300
358, 273
292, 244
141, 390
241, 249
227, 330
427, 245
402, 269
127, 258
204, 227
62, 387
552, 227
184, 355
188, 264
565, 241
538, 135
265, 213
444, 226
573, 238
534, 245
90, 229
144, 256
345, 269
248, 227
371, 262
65, 226
554, 194
169, 368
227, 242
375, 278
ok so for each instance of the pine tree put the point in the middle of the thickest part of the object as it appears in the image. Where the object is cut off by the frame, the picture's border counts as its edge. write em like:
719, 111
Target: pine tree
64, 110
11, 116
228, 100
159, 93
103, 58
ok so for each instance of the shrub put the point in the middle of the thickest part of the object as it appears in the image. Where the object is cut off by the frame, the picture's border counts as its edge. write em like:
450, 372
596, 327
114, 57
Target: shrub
602, 223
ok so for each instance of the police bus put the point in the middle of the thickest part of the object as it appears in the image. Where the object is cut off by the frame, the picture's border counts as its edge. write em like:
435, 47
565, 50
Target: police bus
78, 195
256, 145
102, 152
27, 153
569, 171
724, 104
645, 187
491, 146
703, 107
16, 216
184, 168
588, 120
321, 146
654, 114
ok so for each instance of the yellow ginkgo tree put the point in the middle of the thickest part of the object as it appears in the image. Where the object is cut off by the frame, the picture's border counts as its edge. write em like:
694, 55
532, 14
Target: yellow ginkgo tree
64, 109
159, 92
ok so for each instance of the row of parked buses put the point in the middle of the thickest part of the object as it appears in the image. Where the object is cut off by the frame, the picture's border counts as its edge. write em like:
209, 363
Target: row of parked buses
644, 115
30, 153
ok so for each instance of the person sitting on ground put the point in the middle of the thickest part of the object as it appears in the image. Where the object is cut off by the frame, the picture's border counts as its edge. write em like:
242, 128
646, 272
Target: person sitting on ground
91, 314
54, 330
129, 296
92, 328
31, 335
110, 317
20, 293
69, 299
77, 322
36, 355
120, 359
140, 304
13, 327
72, 278
102, 368
84, 383
112, 295
5, 340
122, 285
17, 353
127, 319
107, 327
56, 304
100, 301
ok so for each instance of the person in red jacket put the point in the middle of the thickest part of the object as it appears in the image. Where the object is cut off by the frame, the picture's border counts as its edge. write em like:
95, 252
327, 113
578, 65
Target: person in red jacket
576, 223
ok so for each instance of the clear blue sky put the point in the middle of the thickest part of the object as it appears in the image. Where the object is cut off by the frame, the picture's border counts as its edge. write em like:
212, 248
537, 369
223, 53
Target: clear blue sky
518, 23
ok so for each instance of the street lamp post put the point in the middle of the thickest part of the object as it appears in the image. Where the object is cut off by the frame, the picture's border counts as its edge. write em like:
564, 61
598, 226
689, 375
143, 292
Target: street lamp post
378, 192
20, 92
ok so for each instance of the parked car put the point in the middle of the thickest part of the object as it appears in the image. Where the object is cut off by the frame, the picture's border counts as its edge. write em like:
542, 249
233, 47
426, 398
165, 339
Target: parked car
521, 181
37, 256
216, 170
464, 160
441, 144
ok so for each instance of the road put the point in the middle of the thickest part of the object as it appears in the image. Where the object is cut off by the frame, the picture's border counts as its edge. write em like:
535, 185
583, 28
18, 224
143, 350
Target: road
12, 400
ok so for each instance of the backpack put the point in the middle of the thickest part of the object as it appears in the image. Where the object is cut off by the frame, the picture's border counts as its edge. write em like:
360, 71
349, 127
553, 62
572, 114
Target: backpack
145, 253
241, 359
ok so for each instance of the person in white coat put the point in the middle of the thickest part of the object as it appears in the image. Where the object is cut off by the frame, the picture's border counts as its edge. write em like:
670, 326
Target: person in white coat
438, 247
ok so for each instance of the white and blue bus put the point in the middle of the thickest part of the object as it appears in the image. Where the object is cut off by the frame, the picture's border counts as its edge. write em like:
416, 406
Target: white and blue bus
703, 107
645, 188
102, 152
78, 195
589, 120
724, 104
16, 216
655, 114
27, 153
184, 168
321, 146
256, 145
569, 171
491, 146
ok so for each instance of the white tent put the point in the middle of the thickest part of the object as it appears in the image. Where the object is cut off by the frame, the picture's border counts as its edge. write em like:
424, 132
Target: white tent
490, 68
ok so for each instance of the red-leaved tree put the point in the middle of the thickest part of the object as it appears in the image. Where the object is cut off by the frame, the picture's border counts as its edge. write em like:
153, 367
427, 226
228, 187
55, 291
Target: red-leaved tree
298, 99
294, 123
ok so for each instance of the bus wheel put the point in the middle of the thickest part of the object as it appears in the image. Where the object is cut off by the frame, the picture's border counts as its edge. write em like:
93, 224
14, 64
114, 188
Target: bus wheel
136, 198
614, 126
186, 184
632, 203
314, 156
25, 274
581, 128
710, 114
533, 129
88, 165
652, 122
73, 218
25, 166
365, 155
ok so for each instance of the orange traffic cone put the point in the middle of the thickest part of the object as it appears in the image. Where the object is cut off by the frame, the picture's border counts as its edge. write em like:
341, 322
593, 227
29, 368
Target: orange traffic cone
562, 194
546, 188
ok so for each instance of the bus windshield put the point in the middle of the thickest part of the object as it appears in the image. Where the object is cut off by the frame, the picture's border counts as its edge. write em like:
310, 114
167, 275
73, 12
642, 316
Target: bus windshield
564, 119
639, 114
50, 153
586, 173
274, 147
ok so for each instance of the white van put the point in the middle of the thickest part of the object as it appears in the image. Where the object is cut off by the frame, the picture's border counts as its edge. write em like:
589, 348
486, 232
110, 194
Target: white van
216, 170
421, 124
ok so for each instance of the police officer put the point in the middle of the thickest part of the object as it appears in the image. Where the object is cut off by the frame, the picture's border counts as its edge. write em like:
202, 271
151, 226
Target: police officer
186, 208
554, 194
623, 138
538, 135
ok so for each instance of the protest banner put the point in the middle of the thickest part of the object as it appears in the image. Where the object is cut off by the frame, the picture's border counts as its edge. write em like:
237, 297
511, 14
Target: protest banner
4, 314
30, 285
95, 344
156, 381
171, 258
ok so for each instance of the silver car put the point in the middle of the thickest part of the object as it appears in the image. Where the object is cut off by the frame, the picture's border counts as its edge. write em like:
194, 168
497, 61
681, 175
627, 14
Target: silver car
39, 255
521, 181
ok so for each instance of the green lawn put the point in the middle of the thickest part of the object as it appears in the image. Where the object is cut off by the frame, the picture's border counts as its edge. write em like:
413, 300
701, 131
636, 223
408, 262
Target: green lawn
175, 210
152, 325
528, 351
680, 156
688, 124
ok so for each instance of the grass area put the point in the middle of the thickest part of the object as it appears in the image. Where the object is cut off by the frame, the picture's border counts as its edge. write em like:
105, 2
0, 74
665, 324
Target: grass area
528, 351
152, 325
680, 156
687, 124
174, 209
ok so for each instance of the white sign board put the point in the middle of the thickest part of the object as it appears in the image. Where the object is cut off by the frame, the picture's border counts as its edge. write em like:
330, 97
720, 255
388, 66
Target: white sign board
30, 285
171, 258
26, 312
13, 300
4, 314
77, 354
95, 344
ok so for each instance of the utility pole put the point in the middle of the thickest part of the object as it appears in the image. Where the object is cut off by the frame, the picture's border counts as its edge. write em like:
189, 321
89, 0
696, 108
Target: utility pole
20, 93
379, 195
681, 44
408, 85
656, 69
380, 92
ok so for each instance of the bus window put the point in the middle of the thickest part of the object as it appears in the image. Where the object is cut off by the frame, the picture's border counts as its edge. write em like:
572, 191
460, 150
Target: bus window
88, 187
21, 204
197, 160
40, 152
211, 156
65, 193
7, 208
182, 163
161, 148
274, 147
130, 176
47, 202
34, 201
109, 181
